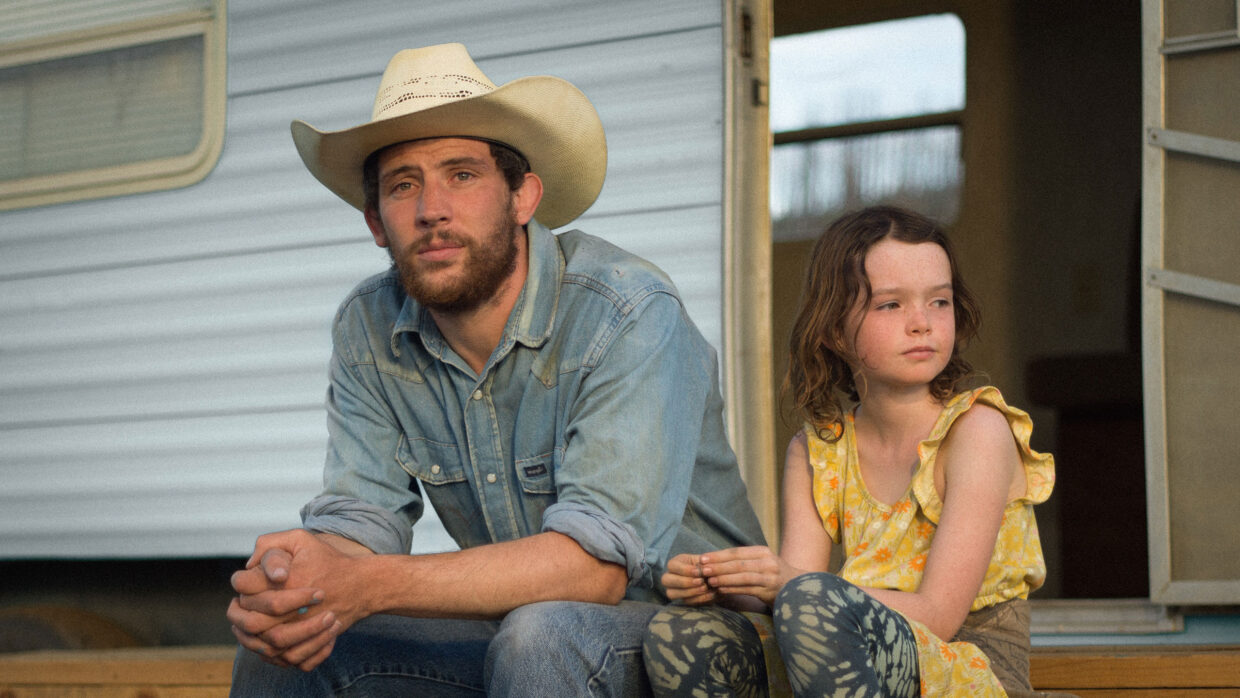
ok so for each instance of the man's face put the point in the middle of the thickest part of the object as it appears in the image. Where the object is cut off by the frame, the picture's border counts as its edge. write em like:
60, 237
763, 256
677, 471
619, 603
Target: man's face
449, 221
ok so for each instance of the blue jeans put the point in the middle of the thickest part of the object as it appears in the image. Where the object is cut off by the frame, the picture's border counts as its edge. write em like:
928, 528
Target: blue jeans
543, 649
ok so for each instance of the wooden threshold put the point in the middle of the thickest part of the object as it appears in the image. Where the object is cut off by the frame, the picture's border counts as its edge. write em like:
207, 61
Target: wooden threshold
1164, 670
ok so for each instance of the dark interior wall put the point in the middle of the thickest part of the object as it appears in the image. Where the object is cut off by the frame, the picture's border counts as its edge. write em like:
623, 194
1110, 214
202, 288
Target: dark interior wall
1077, 226
1078, 174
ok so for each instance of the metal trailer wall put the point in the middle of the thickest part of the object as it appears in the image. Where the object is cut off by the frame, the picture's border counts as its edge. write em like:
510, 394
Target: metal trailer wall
163, 356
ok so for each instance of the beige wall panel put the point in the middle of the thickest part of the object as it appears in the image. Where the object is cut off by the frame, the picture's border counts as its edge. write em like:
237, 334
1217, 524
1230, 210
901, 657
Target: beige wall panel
1201, 382
1214, 73
1192, 17
1202, 207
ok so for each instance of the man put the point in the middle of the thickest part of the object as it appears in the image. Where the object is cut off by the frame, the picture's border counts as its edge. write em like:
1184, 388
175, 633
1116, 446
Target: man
547, 393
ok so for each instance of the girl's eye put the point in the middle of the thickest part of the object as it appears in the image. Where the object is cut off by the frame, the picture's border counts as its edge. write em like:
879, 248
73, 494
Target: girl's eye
889, 305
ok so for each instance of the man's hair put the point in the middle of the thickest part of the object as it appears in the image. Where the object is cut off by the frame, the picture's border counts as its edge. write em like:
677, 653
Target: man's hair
819, 351
512, 165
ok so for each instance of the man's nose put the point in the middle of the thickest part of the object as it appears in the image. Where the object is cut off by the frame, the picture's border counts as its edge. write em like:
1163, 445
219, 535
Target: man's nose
433, 204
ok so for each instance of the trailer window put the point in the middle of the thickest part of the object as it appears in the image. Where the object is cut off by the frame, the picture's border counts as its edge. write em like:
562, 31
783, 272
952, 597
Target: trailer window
99, 99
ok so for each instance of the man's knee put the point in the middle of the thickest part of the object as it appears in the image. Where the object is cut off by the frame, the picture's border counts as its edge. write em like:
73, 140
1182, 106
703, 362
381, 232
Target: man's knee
530, 632
552, 631
573, 643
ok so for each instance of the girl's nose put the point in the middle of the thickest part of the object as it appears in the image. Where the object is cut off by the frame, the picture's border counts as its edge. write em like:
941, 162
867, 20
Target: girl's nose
918, 321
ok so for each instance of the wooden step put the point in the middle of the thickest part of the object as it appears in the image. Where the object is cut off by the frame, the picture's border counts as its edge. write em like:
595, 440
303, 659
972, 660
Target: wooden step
1161, 670
205, 672
163, 672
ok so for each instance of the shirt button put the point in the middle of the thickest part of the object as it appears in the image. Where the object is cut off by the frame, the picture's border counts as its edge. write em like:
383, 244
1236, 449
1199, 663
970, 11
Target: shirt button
477, 394
435, 469
491, 477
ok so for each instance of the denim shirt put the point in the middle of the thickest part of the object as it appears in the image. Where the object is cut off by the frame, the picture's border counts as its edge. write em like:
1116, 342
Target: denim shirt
597, 416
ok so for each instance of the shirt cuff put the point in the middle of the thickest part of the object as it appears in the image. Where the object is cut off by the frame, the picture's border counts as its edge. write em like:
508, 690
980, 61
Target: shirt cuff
374, 527
603, 536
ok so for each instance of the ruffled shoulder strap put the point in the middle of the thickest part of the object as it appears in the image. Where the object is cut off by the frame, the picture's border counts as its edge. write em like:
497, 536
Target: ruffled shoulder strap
1039, 467
827, 460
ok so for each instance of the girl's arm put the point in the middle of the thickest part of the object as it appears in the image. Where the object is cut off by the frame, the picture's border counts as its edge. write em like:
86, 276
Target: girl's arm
982, 472
804, 543
757, 571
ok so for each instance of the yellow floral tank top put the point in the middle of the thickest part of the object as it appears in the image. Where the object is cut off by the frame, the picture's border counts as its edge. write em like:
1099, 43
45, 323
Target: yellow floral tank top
886, 546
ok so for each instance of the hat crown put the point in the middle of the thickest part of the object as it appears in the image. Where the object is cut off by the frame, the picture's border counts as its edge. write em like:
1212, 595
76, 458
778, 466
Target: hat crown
438, 92
423, 78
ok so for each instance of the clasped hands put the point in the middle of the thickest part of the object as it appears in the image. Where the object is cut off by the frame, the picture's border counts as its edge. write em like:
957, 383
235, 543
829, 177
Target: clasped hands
288, 610
723, 575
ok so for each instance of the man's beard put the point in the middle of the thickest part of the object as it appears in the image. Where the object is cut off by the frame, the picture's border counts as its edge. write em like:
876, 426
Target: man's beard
488, 264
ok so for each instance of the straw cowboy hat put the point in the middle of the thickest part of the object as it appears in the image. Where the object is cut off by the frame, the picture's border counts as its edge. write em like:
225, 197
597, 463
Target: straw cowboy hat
436, 92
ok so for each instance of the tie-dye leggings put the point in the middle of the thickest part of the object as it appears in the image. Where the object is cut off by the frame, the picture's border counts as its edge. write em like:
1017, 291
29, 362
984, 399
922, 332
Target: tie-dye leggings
835, 640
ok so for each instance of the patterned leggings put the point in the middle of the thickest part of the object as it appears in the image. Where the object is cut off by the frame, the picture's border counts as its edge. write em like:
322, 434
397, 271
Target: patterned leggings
703, 652
834, 638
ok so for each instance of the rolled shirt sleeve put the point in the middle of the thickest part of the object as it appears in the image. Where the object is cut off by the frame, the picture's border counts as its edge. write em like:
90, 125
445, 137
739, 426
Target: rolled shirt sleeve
374, 527
601, 535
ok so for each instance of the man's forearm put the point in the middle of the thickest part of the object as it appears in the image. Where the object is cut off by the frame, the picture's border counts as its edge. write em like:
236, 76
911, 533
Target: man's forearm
487, 581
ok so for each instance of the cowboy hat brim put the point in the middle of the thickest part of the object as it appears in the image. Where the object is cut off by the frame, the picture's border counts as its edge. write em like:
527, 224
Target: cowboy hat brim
546, 119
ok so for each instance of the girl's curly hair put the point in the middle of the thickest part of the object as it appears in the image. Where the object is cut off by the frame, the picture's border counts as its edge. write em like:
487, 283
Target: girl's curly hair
819, 374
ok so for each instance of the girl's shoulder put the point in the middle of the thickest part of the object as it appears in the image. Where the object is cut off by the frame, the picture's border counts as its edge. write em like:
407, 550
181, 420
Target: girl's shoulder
823, 447
997, 414
960, 418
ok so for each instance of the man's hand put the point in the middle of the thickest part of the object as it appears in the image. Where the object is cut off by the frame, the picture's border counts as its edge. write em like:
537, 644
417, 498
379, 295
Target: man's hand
280, 612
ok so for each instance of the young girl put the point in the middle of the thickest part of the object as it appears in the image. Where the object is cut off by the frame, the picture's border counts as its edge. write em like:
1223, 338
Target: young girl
929, 487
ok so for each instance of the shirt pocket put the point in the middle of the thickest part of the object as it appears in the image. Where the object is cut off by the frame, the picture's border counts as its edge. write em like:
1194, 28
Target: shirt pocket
433, 462
438, 466
536, 474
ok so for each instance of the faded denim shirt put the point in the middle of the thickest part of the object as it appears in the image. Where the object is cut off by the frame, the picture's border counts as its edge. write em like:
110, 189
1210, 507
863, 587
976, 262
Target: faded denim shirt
598, 416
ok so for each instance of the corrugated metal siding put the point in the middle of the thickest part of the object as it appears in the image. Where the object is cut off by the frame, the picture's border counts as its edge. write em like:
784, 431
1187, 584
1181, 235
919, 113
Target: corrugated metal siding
163, 356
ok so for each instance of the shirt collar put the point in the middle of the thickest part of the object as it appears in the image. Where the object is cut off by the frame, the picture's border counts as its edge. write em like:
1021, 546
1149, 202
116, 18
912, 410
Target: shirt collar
531, 319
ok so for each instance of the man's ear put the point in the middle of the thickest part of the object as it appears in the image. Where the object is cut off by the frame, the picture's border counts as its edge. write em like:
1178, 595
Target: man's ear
526, 198
375, 223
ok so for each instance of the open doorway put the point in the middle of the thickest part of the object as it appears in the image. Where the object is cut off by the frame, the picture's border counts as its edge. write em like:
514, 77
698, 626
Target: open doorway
1019, 130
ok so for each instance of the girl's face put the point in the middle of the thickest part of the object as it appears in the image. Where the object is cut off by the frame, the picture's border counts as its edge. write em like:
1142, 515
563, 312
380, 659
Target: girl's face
906, 332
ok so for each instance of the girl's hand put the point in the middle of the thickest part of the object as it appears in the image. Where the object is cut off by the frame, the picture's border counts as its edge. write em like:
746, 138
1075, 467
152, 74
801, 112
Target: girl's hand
753, 571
